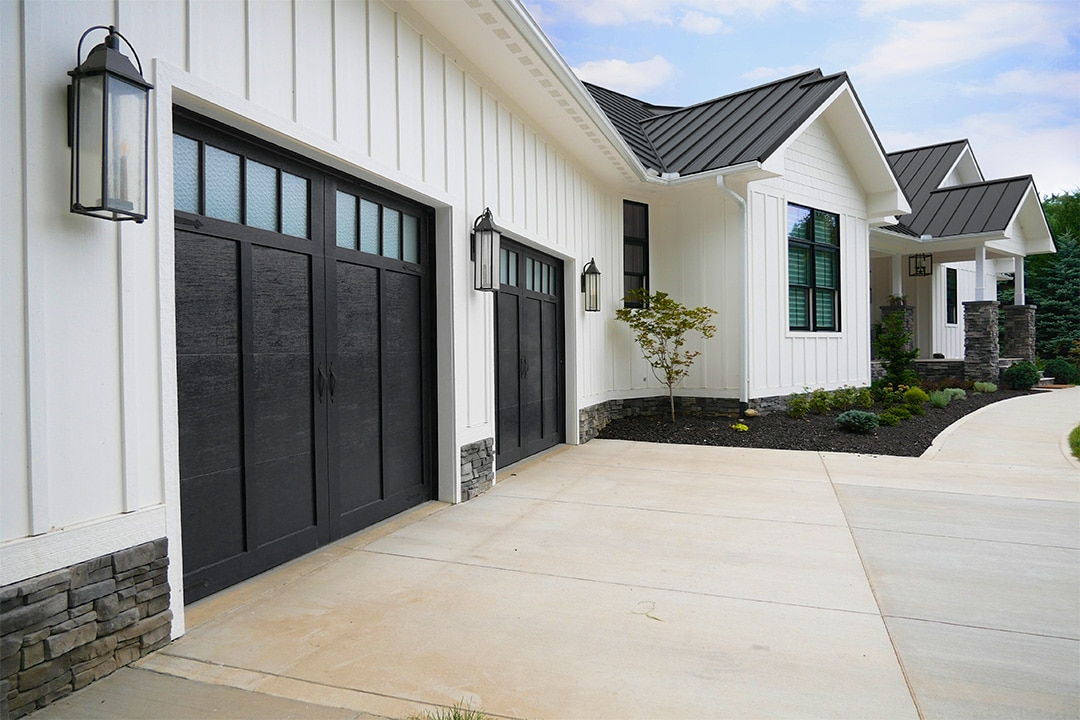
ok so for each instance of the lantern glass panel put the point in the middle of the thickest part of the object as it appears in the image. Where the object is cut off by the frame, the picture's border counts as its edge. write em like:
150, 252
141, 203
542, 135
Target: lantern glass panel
90, 95
126, 151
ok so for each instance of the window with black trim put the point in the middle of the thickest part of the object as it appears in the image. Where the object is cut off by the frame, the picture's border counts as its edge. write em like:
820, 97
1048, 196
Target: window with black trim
813, 269
950, 296
635, 249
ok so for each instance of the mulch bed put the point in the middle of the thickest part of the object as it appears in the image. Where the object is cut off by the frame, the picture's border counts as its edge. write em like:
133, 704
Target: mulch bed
814, 432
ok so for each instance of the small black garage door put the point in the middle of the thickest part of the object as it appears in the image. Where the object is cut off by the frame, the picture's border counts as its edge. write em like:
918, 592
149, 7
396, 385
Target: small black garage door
304, 347
529, 354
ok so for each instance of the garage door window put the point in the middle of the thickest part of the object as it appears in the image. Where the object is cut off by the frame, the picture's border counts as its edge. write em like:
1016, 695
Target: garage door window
372, 228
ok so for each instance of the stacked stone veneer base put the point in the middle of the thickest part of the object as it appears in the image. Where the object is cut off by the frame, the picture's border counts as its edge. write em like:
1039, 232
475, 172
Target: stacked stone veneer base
593, 419
1018, 340
981, 348
65, 629
477, 468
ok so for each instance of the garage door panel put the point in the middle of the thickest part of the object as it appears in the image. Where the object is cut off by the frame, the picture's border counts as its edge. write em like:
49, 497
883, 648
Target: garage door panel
214, 517
214, 441
402, 385
281, 420
280, 301
550, 372
358, 309
359, 470
281, 494
207, 295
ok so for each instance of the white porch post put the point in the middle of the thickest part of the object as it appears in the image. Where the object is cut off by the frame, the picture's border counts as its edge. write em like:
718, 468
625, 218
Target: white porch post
1018, 281
980, 273
897, 279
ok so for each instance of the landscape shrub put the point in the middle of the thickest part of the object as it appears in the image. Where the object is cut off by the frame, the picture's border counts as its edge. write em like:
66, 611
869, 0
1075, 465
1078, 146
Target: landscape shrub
889, 395
902, 412
1063, 371
865, 398
797, 405
984, 387
915, 396
956, 393
916, 409
820, 401
1021, 376
940, 398
892, 347
857, 421
844, 398
888, 419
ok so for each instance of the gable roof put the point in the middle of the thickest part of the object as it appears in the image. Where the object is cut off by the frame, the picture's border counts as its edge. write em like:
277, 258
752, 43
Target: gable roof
922, 170
743, 127
968, 209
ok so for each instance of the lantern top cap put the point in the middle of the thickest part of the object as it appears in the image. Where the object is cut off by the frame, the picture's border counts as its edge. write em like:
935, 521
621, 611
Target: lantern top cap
590, 268
484, 222
107, 58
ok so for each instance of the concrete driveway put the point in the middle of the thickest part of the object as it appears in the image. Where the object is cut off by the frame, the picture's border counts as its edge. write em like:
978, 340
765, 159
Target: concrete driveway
626, 580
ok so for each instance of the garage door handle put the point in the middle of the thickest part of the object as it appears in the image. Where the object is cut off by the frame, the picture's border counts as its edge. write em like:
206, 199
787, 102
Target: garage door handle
321, 382
333, 382
523, 366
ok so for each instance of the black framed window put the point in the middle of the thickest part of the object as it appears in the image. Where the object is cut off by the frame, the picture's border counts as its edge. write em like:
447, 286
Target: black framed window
813, 269
635, 249
950, 296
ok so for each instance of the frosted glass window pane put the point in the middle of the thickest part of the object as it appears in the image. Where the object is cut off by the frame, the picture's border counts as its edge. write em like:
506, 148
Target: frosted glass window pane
185, 174
410, 239
127, 128
391, 233
504, 266
222, 184
294, 205
369, 227
529, 273
91, 107
513, 269
262, 200
346, 220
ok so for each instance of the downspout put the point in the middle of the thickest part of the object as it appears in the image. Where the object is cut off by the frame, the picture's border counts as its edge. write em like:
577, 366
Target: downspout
744, 293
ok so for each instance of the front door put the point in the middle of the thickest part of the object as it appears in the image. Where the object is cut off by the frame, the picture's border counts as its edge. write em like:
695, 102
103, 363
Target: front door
529, 354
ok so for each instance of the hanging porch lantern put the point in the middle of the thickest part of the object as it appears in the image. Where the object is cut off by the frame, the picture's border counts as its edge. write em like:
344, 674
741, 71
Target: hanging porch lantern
485, 253
108, 119
590, 285
920, 264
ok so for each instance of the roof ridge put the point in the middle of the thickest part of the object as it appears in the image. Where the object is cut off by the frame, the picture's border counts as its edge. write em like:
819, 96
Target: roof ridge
984, 182
745, 91
928, 147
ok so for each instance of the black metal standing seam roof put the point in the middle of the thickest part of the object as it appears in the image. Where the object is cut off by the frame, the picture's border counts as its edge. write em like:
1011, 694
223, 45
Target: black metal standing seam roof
742, 127
967, 209
921, 171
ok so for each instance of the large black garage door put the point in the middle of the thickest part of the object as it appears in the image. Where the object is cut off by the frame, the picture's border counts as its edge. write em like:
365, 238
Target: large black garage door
529, 354
304, 347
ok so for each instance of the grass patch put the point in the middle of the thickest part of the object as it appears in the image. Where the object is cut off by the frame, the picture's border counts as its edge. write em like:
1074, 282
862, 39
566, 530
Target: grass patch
1074, 442
458, 712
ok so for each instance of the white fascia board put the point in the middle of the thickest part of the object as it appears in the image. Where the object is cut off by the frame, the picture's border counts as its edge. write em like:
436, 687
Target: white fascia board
886, 197
1034, 243
966, 152
515, 12
886, 240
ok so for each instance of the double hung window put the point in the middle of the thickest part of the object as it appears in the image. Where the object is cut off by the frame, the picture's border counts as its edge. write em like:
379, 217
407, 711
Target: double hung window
813, 269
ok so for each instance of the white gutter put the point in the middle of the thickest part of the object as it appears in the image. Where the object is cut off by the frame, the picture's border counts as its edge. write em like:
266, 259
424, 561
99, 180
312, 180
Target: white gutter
744, 293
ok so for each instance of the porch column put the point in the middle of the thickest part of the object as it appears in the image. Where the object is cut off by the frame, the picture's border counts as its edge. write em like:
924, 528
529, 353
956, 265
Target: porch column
980, 273
1018, 281
896, 268
1019, 338
981, 349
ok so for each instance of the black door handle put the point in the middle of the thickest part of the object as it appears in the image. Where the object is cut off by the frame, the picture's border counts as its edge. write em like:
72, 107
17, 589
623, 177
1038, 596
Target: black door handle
321, 382
333, 382
523, 366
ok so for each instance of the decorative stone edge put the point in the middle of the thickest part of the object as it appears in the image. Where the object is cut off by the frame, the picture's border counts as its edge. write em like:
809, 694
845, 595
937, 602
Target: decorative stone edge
477, 468
64, 629
594, 418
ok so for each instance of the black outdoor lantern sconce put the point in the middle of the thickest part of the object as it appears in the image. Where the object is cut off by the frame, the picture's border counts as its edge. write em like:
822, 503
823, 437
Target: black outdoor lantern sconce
590, 285
108, 117
485, 253
920, 264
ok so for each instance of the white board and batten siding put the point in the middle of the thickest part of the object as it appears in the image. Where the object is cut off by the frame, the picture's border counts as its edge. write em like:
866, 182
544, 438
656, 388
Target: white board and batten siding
89, 396
782, 361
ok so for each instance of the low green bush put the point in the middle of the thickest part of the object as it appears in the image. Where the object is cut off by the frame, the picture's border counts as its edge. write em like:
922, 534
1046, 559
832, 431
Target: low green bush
844, 398
820, 401
940, 398
1074, 442
916, 409
865, 398
888, 419
902, 412
956, 393
915, 396
1020, 376
857, 421
1063, 371
984, 387
797, 405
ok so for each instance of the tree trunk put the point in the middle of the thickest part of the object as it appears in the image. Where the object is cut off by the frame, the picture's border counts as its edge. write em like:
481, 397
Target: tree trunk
671, 399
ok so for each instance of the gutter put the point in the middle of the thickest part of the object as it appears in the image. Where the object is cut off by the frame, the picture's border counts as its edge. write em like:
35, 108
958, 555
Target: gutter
744, 283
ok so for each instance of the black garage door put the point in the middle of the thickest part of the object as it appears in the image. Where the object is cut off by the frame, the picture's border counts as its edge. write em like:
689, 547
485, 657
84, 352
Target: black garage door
304, 347
529, 354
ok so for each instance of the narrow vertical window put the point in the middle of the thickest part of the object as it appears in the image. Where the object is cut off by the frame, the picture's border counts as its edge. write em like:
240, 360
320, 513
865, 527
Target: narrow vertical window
813, 269
635, 249
950, 296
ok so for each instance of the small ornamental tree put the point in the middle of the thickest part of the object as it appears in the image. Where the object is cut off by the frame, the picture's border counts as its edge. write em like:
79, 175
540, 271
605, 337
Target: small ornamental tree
892, 347
660, 326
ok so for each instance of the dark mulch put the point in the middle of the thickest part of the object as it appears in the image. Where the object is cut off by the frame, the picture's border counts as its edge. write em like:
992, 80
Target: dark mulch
814, 432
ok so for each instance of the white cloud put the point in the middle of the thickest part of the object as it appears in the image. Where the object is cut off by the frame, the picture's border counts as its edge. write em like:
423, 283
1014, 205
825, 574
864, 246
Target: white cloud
631, 78
916, 47
700, 23
540, 14
1027, 82
766, 74
665, 12
1021, 142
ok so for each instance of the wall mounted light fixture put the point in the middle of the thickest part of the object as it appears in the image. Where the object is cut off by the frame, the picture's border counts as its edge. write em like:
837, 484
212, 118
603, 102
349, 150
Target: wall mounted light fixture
108, 117
590, 285
920, 264
485, 253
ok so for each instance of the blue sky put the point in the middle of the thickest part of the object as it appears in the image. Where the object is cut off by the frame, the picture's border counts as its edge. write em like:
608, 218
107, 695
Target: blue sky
1005, 75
